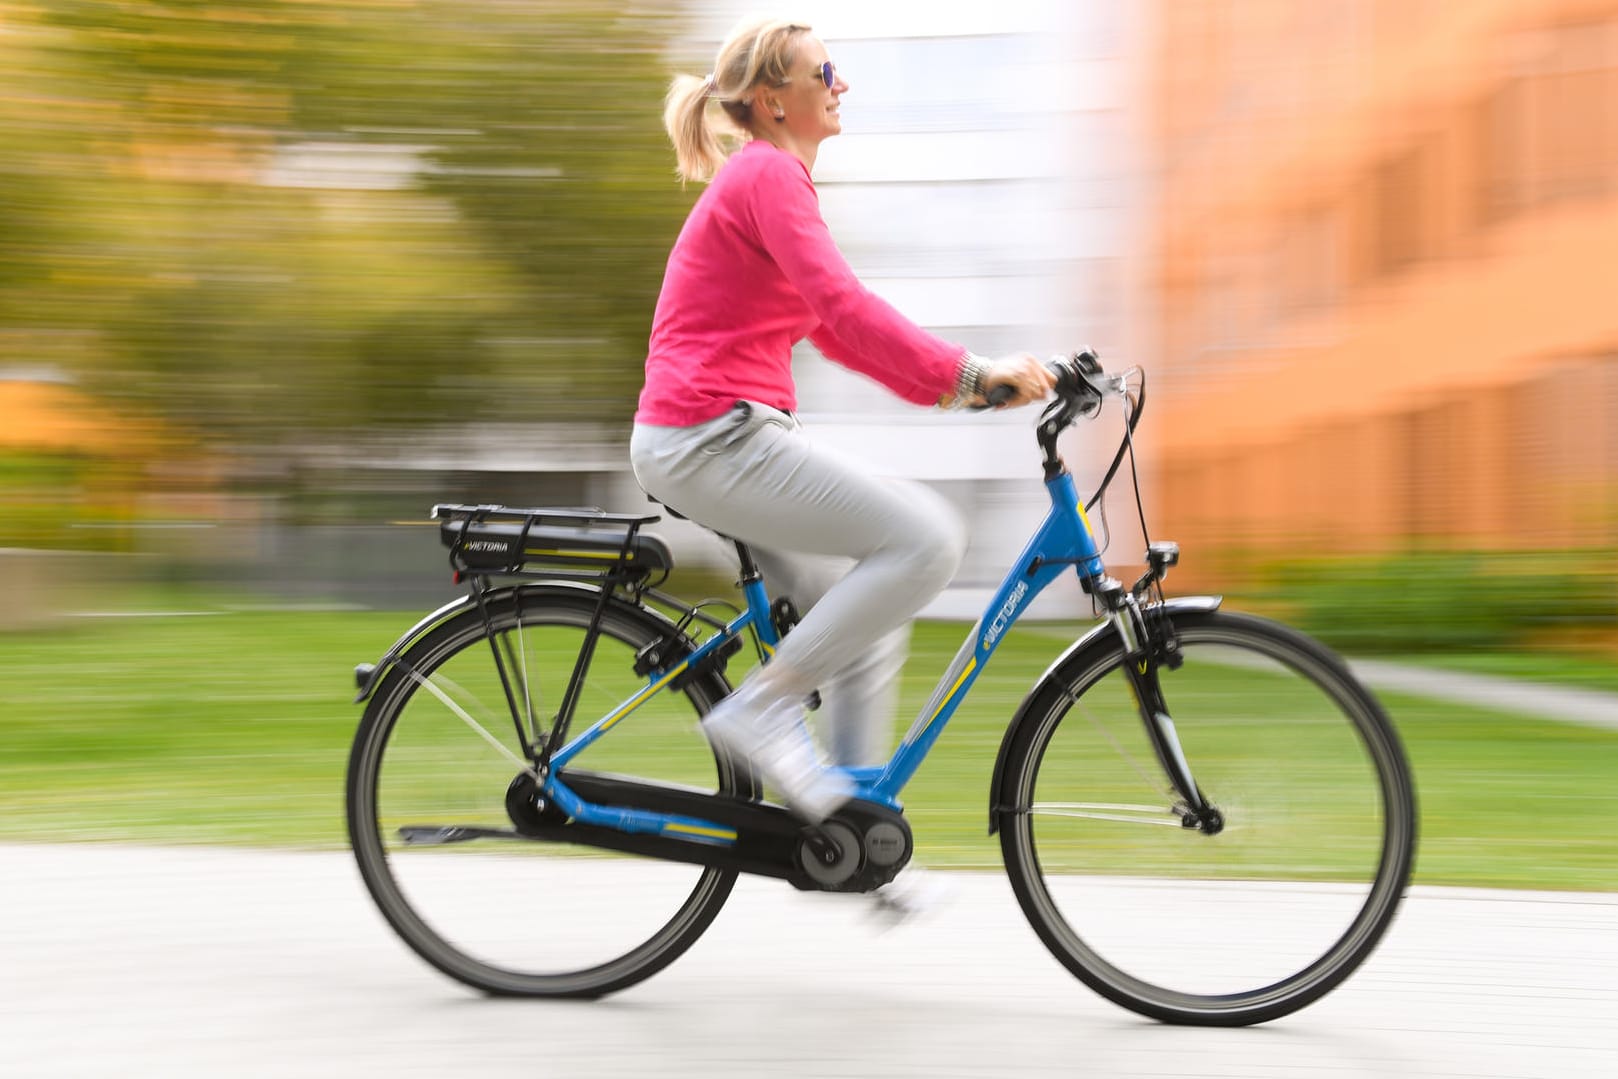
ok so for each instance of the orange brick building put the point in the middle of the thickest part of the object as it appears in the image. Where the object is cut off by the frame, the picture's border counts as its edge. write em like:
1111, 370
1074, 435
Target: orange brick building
1386, 275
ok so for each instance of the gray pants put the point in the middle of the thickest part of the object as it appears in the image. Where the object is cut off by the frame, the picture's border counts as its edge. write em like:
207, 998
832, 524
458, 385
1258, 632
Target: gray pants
805, 511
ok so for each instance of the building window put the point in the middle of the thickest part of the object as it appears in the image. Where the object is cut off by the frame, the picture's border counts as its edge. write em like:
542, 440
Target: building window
1573, 114
1404, 208
1549, 132
1503, 146
1310, 263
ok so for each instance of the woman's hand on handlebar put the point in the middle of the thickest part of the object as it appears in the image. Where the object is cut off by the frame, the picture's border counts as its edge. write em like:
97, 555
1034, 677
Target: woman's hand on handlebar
1014, 380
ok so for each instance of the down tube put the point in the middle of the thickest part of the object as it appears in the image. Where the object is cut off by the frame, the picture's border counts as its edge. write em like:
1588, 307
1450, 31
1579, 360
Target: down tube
1064, 541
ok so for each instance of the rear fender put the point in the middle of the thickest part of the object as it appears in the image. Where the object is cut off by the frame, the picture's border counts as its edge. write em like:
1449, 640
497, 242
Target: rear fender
367, 676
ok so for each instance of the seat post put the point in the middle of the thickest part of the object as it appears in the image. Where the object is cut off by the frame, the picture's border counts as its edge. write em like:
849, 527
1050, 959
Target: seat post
750, 572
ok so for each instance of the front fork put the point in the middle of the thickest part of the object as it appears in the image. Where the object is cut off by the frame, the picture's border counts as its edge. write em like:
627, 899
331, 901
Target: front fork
1148, 649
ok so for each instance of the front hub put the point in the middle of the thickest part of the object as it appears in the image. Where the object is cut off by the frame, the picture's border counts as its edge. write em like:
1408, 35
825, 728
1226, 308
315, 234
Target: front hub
1207, 820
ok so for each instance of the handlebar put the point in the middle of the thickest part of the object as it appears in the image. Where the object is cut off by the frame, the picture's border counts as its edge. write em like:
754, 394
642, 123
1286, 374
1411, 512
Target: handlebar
1081, 386
1080, 380
1080, 383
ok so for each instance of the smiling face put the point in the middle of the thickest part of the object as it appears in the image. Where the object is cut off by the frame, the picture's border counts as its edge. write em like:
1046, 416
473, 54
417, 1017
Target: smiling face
803, 111
811, 106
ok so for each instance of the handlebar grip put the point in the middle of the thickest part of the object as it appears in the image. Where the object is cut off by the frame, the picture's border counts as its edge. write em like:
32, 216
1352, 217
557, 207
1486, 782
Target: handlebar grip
1077, 373
999, 395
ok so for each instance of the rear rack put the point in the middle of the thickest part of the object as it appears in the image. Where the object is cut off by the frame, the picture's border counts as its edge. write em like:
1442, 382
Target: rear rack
579, 543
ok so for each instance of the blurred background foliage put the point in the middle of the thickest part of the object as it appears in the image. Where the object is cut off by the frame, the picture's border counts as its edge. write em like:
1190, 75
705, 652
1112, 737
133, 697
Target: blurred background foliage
1446, 602
237, 234
260, 222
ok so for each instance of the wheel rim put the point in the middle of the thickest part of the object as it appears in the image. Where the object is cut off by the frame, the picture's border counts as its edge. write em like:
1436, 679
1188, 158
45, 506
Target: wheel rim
1274, 909
514, 915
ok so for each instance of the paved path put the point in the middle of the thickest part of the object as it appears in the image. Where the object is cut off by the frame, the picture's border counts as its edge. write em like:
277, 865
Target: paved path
1570, 704
182, 962
1515, 696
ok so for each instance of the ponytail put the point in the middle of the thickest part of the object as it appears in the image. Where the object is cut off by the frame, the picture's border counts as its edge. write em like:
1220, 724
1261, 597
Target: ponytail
756, 52
697, 149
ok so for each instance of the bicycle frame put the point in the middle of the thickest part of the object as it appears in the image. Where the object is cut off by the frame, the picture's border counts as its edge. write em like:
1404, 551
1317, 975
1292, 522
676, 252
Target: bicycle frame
1063, 539
587, 587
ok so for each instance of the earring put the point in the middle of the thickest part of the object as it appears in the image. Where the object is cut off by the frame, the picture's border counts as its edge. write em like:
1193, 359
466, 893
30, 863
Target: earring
780, 117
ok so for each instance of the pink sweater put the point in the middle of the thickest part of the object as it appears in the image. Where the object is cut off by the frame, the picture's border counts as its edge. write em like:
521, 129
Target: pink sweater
754, 271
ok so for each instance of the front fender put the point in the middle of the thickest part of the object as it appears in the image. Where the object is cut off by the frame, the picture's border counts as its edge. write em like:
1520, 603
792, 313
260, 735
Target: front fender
1050, 682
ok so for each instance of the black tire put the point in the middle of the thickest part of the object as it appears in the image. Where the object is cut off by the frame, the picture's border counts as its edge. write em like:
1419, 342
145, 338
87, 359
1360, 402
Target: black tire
1228, 929
518, 917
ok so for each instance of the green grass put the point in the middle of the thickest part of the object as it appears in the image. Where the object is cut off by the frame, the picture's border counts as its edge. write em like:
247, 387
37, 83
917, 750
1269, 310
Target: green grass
234, 728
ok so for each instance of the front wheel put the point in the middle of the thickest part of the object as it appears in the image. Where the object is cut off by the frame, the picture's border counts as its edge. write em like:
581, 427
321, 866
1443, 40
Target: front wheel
1252, 922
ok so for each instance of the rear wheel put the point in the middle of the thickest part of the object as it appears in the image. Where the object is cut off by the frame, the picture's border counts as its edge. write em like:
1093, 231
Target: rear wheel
432, 764
1242, 926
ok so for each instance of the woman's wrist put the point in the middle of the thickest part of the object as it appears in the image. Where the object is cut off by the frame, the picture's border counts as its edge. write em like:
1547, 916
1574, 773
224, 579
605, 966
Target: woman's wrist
970, 375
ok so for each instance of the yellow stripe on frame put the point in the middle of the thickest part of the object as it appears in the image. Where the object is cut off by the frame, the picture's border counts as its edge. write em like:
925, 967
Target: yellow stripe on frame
971, 665
640, 698
692, 829
1085, 517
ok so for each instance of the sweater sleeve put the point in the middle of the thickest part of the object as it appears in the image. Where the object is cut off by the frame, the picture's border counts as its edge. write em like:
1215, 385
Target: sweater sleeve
858, 329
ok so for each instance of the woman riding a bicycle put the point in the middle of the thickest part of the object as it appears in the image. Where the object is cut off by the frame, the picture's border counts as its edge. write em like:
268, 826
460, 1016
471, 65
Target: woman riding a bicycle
754, 271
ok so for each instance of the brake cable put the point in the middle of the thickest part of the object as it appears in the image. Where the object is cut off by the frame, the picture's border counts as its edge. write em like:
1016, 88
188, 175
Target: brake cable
1125, 445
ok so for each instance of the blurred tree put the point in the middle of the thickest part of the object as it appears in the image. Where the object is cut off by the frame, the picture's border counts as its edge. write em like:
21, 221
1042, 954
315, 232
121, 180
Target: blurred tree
546, 137
264, 219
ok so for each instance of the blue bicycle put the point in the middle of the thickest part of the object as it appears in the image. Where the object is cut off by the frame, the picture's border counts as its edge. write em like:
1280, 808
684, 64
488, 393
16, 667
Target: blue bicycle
535, 812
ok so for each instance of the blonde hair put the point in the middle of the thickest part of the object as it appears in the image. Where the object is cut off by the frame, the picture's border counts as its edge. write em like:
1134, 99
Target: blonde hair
757, 51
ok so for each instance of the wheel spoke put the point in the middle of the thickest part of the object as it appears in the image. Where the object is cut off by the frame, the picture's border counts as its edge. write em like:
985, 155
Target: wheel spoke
466, 717
1113, 811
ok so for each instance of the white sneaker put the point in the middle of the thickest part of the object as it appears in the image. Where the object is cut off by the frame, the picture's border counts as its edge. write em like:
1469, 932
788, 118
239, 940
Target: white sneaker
779, 747
914, 892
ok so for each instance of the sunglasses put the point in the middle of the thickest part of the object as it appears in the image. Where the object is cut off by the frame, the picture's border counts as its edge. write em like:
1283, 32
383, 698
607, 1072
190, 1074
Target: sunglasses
827, 73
